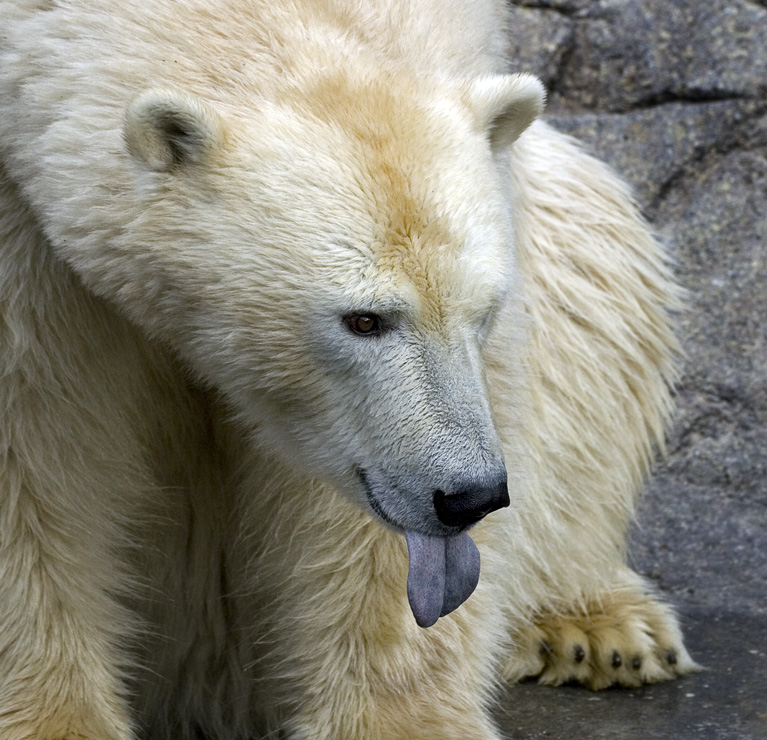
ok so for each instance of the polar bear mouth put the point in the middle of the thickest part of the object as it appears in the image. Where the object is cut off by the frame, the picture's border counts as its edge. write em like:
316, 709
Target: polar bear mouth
443, 570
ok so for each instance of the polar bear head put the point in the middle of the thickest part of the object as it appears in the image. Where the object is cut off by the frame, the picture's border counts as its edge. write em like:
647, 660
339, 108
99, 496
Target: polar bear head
331, 257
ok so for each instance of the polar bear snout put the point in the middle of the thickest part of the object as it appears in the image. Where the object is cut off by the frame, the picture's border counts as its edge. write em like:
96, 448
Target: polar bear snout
472, 502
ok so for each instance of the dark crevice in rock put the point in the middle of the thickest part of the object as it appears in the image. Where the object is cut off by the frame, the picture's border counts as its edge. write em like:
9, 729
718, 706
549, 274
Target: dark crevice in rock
569, 8
690, 97
565, 107
565, 11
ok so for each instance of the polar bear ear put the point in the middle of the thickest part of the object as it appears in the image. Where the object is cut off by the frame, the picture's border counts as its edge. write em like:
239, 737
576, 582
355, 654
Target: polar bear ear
505, 105
166, 130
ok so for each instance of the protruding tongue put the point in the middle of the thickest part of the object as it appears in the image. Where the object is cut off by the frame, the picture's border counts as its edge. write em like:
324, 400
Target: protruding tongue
443, 573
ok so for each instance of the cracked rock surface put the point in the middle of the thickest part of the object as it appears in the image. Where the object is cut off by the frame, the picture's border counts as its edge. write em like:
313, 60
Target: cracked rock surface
674, 96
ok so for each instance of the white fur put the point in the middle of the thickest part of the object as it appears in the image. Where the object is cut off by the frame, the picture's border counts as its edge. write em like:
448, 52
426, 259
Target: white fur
192, 198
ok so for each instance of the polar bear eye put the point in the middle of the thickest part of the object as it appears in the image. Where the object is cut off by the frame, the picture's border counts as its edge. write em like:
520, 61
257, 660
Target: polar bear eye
366, 324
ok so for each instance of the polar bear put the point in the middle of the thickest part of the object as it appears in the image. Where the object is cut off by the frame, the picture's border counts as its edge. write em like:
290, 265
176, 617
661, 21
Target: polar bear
329, 377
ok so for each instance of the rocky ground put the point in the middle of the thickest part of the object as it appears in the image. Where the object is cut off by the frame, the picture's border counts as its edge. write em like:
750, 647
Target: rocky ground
673, 93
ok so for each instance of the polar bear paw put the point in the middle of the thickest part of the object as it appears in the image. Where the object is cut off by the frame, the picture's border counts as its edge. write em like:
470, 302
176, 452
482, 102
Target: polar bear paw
626, 638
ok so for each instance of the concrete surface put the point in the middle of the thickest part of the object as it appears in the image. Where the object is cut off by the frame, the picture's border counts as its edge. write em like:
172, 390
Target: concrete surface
674, 95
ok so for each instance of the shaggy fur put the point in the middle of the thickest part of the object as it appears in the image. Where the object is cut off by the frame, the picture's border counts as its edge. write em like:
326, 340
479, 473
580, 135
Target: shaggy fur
194, 197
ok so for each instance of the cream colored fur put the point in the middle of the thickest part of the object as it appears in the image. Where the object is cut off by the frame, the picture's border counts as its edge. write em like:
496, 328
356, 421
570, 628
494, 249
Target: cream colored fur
191, 195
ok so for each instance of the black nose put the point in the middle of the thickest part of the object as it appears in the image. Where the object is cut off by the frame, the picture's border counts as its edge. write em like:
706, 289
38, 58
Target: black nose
472, 502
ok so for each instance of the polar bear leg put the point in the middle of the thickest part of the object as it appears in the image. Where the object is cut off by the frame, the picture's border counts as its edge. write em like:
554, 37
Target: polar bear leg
602, 363
59, 677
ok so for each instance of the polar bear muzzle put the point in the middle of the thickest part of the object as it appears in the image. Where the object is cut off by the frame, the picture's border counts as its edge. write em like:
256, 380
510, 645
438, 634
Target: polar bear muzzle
444, 571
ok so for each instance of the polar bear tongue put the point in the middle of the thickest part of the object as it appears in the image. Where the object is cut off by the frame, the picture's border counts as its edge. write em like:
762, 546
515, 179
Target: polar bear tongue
443, 573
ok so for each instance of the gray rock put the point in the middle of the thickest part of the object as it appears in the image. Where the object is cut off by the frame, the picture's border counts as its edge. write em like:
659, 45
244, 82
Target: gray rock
538, 42
653, 147
713, 488
629, 53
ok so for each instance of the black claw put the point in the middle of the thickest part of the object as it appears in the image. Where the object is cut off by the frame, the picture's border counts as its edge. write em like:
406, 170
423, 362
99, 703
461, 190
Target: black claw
617, 660
579, 654
671, 657
546, 648
636, 663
